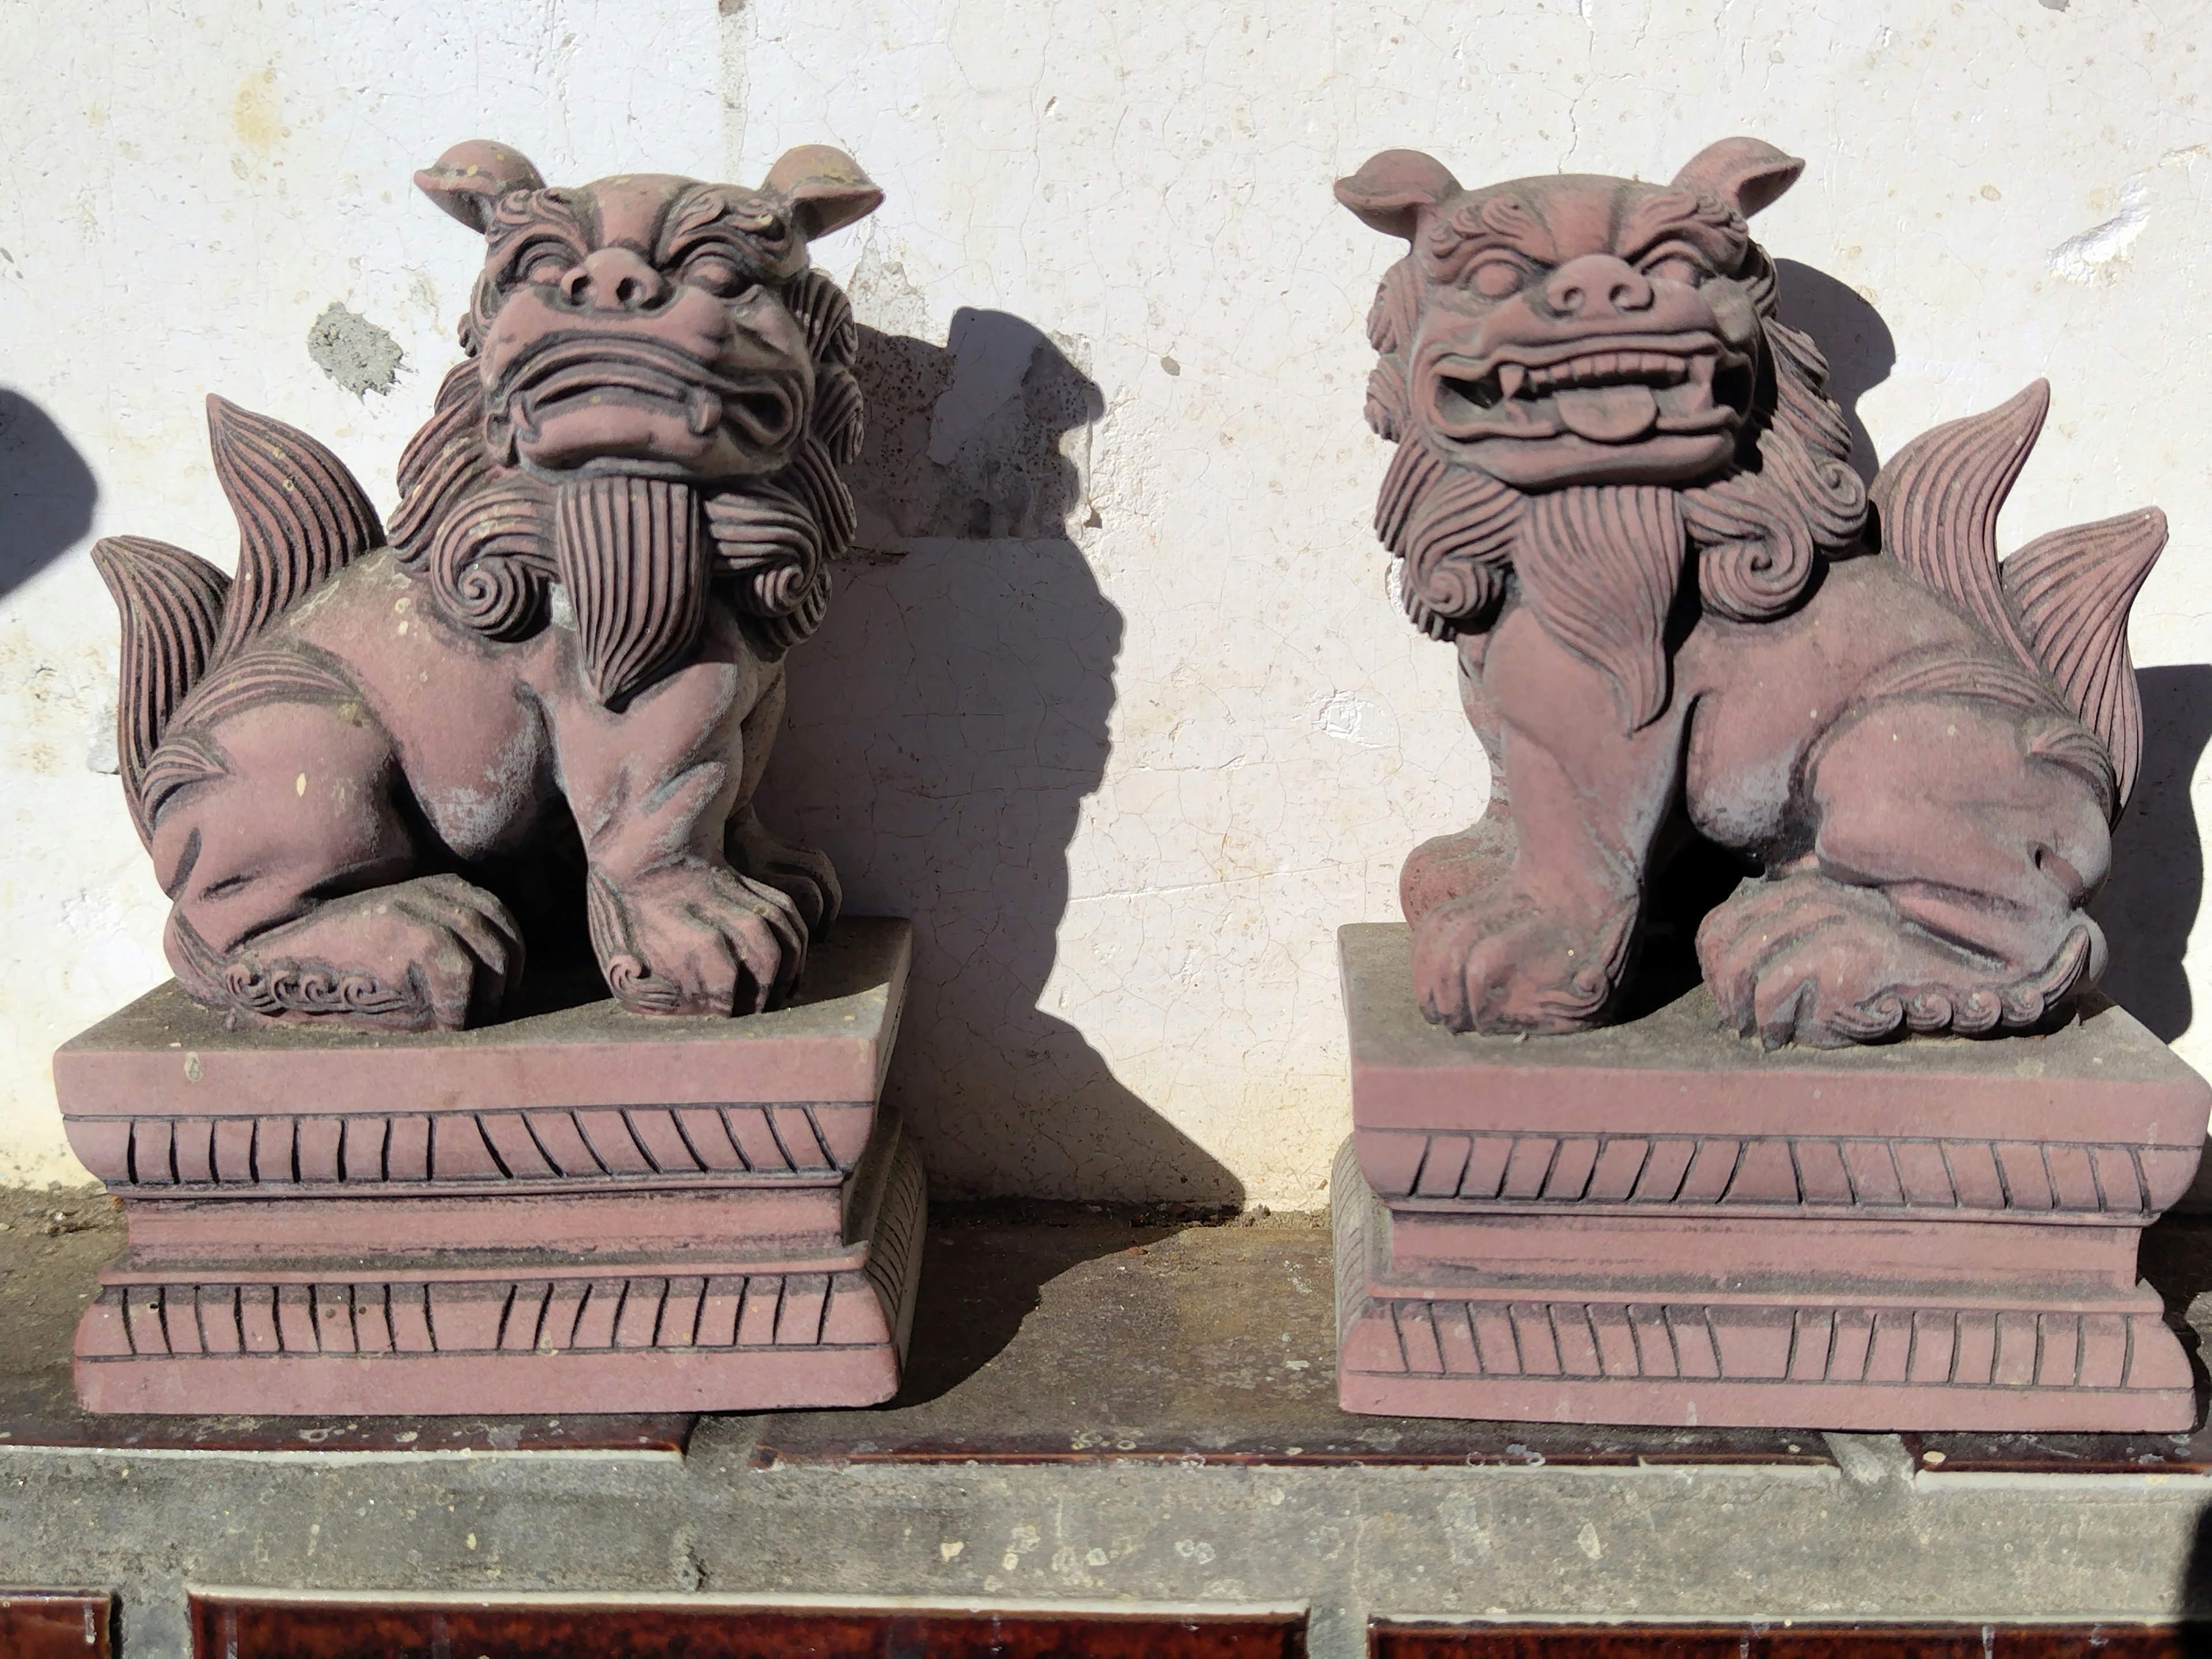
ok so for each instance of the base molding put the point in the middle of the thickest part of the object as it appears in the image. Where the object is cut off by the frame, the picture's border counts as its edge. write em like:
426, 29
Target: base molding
1810, 1355
647, 1335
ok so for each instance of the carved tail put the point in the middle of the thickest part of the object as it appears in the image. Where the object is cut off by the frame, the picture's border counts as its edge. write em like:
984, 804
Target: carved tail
300, 516
171, 603
2060, 604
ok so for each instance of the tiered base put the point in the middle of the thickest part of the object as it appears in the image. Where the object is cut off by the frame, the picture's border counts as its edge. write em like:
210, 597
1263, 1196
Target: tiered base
1662, 1224
1813, 1356
820, 1327
578, 1211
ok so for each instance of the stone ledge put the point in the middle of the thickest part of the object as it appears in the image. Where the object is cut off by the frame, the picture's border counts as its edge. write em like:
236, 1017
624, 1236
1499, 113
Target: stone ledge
1126, 1411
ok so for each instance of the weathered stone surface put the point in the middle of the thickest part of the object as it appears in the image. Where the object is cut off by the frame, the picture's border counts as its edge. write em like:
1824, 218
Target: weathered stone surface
1621, 489
376, 776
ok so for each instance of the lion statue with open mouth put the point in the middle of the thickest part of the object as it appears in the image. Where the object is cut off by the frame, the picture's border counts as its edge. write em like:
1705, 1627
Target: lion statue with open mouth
1620, 490
361, 767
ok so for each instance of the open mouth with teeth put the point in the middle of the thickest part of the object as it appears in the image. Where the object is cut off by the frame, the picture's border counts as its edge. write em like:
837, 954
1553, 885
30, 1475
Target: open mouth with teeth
572, 400
1612, 391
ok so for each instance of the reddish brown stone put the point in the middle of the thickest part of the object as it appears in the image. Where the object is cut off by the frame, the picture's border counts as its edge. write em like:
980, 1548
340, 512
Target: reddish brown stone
241, 1625
56, 1624
1621, 490
1660, 1222
375, 776
576, 1212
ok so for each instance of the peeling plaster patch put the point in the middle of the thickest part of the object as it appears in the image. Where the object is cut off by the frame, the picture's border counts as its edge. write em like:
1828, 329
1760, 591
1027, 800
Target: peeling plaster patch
2056, 5
2093, 256
1344, 716
355, 352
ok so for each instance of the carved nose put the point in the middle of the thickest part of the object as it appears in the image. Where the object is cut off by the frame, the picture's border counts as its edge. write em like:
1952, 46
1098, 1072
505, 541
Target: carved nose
1594, 284
613, 279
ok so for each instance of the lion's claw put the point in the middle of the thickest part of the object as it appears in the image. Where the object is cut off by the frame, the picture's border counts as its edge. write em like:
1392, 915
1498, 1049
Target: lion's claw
1803, 958
696, 939
1497, 961
800, 873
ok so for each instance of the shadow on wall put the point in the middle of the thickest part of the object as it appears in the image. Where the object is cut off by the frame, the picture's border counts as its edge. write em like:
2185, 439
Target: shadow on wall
2151, 903
46, 491
1852, 335
945, 726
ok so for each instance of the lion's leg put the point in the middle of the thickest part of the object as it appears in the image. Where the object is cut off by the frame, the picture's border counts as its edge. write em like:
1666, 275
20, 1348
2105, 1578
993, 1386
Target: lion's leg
293, 874
675, 928
1546, 949
802, 874
1447, 867
1944, 889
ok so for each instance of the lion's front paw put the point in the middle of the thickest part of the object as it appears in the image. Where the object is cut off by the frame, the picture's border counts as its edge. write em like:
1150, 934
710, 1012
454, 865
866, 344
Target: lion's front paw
436, 952
1497, 961
1802, 958
696, 940
801, 874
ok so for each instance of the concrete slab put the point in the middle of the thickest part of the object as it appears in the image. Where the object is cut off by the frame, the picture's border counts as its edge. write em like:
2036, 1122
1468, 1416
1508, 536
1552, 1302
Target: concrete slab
1000, 1478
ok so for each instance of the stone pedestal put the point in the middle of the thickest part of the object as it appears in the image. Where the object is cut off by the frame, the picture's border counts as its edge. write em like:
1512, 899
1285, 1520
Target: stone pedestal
1660, 1222
579, 1211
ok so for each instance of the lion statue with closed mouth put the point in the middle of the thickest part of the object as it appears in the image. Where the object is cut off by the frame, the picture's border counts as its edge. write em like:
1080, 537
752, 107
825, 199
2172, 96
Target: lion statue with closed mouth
1620, 490
362, 767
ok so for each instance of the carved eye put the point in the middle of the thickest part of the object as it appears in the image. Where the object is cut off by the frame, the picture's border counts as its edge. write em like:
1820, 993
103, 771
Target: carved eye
717, 273
1676, 263
1494, 276
540, 263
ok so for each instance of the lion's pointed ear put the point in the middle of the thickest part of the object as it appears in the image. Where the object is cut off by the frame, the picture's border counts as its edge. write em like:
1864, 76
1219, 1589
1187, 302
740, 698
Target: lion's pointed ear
1389, 192
1748, 174
471, 176
825, 187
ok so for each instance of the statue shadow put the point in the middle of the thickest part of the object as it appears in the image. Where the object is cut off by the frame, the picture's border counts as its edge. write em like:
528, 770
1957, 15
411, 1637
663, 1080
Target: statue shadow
946, 725
47, 492
1851, 335
2151, 903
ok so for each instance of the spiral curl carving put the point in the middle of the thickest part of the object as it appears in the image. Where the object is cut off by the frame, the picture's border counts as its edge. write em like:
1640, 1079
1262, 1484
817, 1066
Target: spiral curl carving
492, 564
1755, 555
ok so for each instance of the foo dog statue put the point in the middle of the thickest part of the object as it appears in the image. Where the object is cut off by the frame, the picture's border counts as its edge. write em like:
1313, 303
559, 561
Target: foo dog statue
357, 763
1620, 489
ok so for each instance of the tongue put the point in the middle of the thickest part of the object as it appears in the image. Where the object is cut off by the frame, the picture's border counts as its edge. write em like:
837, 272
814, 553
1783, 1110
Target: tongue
1608, 414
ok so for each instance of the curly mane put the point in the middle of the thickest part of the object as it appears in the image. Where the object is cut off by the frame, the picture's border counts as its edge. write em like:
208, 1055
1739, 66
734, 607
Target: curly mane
482, 533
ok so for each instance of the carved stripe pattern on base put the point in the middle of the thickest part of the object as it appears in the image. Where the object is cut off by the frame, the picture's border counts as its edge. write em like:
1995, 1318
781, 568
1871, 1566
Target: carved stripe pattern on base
1847, 1173
901, 1219
810, 1141
756, 1311
1698, 1342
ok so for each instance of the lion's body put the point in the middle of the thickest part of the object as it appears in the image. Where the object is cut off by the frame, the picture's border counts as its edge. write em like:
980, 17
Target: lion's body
1620, 487
375, 781
1759, 700
367, 771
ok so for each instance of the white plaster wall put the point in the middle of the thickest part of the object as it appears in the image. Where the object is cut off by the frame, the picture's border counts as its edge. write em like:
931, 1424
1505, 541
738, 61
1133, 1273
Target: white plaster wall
1129, 778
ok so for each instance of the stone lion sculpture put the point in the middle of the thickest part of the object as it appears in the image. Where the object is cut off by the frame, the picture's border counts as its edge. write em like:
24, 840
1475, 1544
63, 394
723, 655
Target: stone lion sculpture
358, 764
1620, 490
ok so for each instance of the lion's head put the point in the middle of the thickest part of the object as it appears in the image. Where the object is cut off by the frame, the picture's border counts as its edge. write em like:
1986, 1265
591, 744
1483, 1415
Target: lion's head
1587, 383
658, 394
